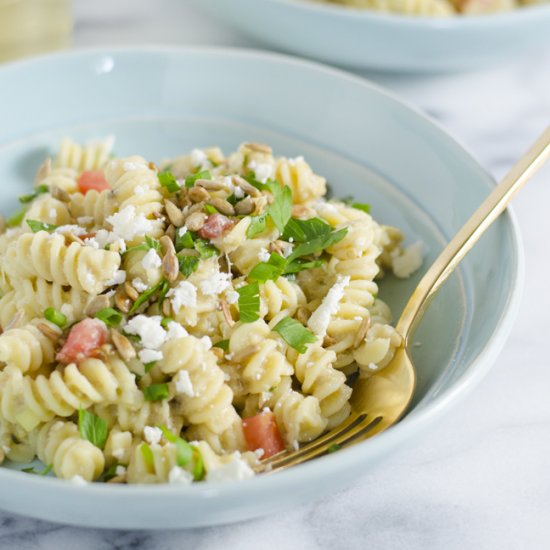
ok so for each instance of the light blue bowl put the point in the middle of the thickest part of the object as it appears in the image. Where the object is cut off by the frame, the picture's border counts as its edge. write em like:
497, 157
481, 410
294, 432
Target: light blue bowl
368, 40
160, 102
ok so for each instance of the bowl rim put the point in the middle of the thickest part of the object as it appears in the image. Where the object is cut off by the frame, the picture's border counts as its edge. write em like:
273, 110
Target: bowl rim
473, 22
351, 457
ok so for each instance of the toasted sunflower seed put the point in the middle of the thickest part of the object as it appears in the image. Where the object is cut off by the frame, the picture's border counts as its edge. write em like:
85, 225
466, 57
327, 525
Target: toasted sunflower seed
259, 148
227, 313
153, 166
51, 331
170, 265
246, 206
302, 315
132, 293
97, 304
222, 206
195, 221
122, 302
198, 194
171, 232
123, 345
59, 194
328, 341
175, 215
238, 356
362, 332
210, 185
248, 188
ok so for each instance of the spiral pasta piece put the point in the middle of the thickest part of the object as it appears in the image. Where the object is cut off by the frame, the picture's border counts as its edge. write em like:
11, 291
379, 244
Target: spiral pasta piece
298, 175
47, 256
378, 348
98, 205
59, 443
317, 376
30, 401
280, 298
64, 178
46, 209
26, 348
92, 156
210, 403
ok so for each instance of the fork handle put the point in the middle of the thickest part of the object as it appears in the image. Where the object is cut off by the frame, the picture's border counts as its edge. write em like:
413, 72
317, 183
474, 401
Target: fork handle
471, 231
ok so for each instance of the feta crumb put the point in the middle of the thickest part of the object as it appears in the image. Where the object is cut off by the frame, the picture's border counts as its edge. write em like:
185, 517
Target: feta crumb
232, 296
286, 249
179, 475
128, 225
291, 239
263, 254
409, 261
91, 242
78, 480
320, 318
262, 171
229, 356
182, 231
198, 157
259, 453
235, 469
185, 294
238, 192
120, 470
295, 445
206, 342
151, 260
149, 329
215, 284
372, 366
118, 278
183, 383
152, 435
71, 230
150, 355
139, 285
175, 330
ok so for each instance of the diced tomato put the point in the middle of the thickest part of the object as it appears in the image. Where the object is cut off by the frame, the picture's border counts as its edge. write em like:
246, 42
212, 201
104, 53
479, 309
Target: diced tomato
84, 340
92, 179
261, 432
215, 226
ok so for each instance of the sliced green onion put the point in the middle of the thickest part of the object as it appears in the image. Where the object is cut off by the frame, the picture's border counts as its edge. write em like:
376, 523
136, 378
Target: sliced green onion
16, 218
168, 181
156, 392
202, 175
55, 317
110, 316
38, 191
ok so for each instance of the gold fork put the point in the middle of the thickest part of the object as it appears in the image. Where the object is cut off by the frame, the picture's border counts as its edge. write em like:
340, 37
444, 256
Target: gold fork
380, 400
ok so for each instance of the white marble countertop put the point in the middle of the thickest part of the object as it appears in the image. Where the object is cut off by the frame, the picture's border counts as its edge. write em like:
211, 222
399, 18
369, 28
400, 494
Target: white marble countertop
480, 479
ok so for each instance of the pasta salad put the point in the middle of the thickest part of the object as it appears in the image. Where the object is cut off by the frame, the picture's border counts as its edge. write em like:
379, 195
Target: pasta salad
180, 323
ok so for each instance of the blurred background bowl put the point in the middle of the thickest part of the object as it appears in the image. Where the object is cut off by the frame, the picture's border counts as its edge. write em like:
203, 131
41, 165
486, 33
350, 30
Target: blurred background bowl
363, 39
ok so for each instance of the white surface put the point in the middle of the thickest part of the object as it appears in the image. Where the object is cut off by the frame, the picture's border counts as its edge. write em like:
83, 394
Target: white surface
480, 479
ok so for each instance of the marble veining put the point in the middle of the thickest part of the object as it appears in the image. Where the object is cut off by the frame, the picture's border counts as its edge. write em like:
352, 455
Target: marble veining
479, 479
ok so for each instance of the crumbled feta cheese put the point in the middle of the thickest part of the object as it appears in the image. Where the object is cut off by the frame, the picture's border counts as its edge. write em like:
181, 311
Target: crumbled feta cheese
238, 192
229, 356
148, 328
372, 366
179, 475
232, 296
127, 224
409, 261
120, 470
151, 260
182, 231
215, 284
91, 242
70, 230
295, 445
263, 254
286, 249
198, 157
139, 285
78, 480
90, 279
141, 189
150, 355
152, 435
175, 330
206, 342
183, 383
259, 453
118, 278
129, 166
183, 295
234, 469
291, 239
320, 318
262, 171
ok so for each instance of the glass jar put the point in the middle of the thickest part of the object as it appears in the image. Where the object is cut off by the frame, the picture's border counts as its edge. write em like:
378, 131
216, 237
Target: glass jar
29, 27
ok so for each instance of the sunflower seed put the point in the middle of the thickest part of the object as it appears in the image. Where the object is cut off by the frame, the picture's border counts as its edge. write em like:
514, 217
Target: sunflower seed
210, 185
53, 332
328, 341
227, 314
132, 293
123, 345
259, 148
248, 188
170, 265
302, 315
246, 206
222, 206
171, 232
122, 302
198, 194
97, 304
195, 221
362, 332
59, 194
153, 166
175, 215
